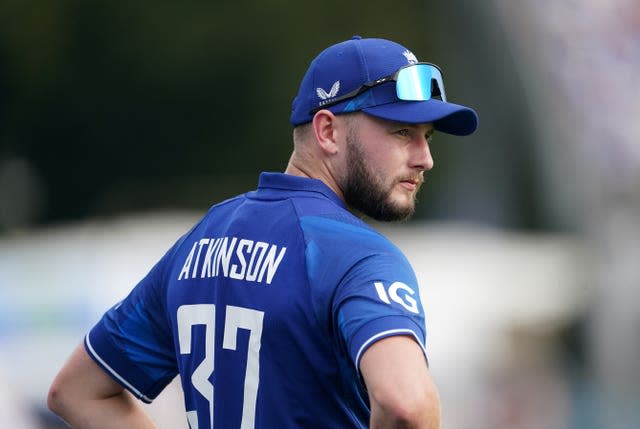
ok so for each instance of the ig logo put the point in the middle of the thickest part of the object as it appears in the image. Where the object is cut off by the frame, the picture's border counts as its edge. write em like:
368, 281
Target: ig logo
406, 300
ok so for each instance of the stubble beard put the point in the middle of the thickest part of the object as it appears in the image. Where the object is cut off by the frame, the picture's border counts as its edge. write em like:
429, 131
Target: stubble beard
365, 192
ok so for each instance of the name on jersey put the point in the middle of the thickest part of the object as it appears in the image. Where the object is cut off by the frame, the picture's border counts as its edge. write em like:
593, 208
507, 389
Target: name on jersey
232, 257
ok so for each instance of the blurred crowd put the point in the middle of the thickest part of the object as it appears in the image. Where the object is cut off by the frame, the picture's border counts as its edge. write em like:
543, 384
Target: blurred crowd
580, 62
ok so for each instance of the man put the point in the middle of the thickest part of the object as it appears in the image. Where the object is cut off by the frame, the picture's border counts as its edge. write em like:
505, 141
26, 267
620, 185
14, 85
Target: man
280, 308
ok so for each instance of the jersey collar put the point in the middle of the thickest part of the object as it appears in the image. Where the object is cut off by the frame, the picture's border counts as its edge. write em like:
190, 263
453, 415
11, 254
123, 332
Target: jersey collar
270, 182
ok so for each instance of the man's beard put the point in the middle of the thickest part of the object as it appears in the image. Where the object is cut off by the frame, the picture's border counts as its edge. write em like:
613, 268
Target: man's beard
364, 191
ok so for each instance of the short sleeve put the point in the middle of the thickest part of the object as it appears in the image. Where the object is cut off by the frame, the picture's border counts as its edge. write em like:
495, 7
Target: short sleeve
133, 342
379, 297
364, 280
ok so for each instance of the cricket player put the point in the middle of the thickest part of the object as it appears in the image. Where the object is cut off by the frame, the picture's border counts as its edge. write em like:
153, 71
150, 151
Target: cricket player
281, 308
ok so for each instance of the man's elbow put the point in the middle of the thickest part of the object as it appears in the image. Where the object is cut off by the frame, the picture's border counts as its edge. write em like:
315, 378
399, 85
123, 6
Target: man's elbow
60, 399
412, 411
420, 415
55, 398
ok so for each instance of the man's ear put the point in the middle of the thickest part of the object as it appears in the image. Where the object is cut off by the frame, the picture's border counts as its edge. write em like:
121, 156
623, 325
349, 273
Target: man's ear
324, 125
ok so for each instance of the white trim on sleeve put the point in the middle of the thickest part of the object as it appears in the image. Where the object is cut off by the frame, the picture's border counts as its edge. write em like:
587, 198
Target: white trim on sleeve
114, 373
389, 333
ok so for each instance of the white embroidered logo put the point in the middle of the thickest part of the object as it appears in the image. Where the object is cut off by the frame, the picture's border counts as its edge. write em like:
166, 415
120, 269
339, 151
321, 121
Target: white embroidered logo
332, 93
410, 57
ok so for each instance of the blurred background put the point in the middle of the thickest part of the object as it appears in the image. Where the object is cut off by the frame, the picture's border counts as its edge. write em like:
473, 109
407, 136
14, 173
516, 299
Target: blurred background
122, 122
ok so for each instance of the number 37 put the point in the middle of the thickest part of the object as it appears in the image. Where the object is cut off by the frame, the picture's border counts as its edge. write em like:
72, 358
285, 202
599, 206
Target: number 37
235, 318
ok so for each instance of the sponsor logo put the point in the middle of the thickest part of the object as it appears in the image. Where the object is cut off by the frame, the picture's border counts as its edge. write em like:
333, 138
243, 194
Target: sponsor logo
399, 293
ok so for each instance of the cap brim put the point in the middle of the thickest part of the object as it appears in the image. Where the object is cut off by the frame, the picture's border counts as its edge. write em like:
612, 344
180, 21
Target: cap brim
446, 117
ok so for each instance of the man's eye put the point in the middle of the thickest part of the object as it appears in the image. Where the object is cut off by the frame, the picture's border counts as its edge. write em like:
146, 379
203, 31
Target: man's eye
403, 132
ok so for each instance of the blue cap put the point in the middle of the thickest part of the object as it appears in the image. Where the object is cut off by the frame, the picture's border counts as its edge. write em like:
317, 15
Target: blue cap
346, 66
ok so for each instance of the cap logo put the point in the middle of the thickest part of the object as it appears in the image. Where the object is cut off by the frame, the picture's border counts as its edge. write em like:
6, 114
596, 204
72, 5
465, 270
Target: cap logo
332, 92
410, 57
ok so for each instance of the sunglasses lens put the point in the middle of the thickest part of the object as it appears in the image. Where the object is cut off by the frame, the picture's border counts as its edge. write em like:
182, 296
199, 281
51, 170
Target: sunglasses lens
419, 82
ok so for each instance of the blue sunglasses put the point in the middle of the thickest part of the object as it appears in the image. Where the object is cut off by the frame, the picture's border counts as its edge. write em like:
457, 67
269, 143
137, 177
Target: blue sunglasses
414, 82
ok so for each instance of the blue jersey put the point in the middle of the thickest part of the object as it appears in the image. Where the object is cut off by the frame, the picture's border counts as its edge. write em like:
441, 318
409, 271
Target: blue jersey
264, 308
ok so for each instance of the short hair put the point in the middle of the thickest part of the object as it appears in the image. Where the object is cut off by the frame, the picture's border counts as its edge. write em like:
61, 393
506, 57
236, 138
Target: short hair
301, 133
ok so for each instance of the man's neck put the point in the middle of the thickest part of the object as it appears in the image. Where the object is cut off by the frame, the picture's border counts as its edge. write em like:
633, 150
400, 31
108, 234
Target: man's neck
297, 167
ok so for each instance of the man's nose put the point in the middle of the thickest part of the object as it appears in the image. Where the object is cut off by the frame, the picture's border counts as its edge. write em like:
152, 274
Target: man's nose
422, 158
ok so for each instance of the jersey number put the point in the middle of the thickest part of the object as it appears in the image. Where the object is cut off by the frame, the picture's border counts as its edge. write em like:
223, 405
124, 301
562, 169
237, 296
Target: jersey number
235, 318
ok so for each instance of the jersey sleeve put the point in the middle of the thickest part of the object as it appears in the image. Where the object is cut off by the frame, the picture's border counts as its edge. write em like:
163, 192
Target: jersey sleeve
379, 297
366, 281
132, 341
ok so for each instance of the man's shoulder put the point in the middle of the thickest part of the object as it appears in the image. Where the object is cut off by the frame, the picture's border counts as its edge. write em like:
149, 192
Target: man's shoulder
344, 232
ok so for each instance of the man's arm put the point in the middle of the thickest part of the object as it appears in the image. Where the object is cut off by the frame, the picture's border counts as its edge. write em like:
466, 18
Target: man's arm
401, 390
84, 396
